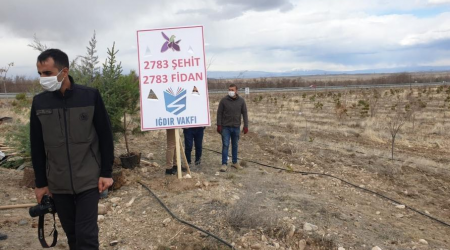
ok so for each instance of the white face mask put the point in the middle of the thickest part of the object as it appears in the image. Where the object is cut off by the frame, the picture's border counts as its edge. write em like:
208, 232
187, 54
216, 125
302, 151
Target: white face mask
231, 93
50, 83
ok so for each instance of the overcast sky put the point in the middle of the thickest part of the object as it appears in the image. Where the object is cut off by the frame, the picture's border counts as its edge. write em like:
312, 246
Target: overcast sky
267, 35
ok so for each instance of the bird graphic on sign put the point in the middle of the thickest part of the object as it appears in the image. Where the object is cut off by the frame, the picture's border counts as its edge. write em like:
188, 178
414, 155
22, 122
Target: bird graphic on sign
170, 43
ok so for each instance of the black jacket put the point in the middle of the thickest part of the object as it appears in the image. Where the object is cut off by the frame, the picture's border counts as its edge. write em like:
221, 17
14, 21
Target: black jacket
71, 139
230, 111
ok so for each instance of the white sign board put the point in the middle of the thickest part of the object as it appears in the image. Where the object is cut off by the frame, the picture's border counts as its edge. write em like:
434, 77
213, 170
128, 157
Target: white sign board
247, 91
172, 78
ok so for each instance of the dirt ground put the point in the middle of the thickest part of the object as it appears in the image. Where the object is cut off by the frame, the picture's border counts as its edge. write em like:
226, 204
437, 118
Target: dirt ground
264, 208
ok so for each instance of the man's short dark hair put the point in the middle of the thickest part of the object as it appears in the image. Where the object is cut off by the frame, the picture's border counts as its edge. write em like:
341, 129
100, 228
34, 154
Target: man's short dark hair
233, 85
60, 58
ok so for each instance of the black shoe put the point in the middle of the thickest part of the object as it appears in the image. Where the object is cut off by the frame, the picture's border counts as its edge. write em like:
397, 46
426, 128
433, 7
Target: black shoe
171, 171
198, 162
175, 169
3, 236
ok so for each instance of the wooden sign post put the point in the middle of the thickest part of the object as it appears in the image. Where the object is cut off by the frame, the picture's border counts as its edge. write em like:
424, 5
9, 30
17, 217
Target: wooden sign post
184, 157
178, 146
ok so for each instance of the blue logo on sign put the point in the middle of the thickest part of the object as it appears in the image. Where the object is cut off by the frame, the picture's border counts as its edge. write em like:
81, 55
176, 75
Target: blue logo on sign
175, 102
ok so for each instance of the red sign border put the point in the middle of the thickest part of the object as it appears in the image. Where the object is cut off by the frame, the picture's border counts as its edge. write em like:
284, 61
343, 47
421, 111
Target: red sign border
206, 78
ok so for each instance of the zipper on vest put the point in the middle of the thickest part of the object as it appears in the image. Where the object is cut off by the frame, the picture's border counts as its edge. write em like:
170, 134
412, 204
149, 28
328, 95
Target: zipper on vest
60, 126
95, 157
67, 146
48, 165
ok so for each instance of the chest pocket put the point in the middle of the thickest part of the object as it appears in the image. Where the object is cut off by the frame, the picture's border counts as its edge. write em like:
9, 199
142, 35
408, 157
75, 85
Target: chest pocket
52, 128
81, 128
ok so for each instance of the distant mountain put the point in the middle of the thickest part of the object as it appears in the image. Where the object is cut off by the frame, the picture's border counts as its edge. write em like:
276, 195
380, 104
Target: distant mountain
259, 74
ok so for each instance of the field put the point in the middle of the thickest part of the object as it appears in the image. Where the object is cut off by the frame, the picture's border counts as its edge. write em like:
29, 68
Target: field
347, 134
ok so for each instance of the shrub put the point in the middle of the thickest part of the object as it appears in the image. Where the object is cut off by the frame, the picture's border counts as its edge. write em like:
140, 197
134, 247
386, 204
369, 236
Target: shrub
365, 107
318, 105
21, 97
19, 138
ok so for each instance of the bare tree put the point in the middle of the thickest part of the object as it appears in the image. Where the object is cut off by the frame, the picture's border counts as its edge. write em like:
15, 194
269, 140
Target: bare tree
5, 71
412, 107
37, 45
395, 123
210, 62
241, 74
373, 102
340, 108
445, 104
341, 112
301, 114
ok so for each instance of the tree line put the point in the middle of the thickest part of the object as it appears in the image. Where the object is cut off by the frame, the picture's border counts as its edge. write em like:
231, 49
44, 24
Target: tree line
292, 82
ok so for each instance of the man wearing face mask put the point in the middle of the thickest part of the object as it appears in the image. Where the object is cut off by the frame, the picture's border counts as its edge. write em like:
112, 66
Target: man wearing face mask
229, 113
72, 148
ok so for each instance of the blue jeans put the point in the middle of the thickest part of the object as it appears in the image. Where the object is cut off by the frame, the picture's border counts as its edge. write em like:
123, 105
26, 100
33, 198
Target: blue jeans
227, 133
191, 136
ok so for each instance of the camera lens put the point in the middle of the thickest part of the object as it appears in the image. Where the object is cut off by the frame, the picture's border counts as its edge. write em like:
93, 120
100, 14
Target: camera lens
34, 211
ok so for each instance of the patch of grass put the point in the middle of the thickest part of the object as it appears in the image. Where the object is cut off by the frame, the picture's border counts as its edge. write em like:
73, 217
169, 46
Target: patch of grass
284, 198
230, 177
219, 202
289, 168
247, 213
318, 242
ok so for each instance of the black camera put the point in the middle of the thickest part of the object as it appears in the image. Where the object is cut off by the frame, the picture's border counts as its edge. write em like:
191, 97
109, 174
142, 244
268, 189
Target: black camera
46, 206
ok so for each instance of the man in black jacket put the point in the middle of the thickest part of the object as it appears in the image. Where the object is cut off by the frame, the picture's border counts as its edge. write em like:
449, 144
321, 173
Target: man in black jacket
71, 148
229, 113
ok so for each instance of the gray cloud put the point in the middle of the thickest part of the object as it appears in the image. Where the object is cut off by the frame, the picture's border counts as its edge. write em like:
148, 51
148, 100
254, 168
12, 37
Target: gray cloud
235, 8
69, 21
259, 5
252, 34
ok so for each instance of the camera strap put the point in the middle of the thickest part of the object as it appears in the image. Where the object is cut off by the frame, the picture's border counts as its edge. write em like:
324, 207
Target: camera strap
41, 232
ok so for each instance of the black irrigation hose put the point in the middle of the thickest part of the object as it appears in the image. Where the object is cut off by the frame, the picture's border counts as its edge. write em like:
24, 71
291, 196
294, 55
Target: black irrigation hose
346, 182
182, 221
4, 159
